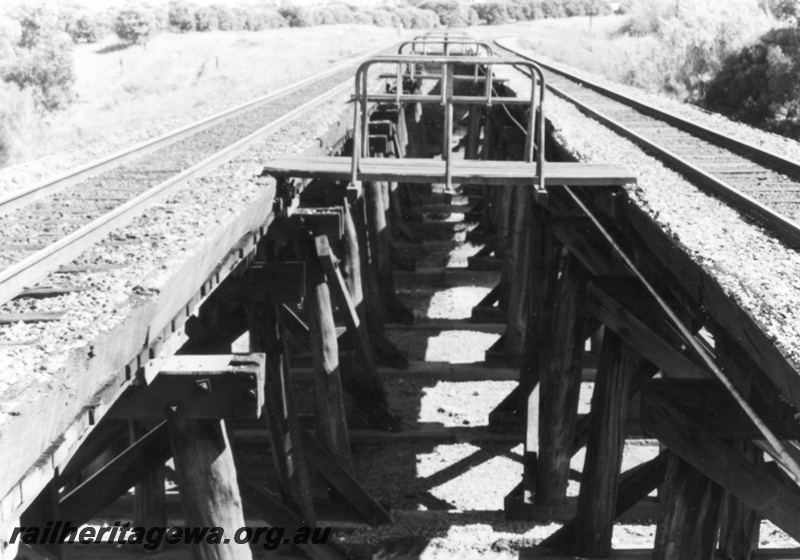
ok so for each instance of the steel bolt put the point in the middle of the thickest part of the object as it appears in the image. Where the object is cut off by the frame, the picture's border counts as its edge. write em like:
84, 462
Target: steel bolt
202, 386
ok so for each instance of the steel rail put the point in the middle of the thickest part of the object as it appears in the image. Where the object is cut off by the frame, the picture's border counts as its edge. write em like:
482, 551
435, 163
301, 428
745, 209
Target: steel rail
756, 211
15, 278
21, 198
746, 149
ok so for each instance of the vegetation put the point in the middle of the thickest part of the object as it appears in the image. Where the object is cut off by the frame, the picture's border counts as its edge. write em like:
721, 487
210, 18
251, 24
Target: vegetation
135, 23
739, 57
760, 84
685, 43
37, 55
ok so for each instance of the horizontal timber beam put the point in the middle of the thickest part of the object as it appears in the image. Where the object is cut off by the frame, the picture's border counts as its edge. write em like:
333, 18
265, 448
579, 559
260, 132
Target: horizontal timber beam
196, 387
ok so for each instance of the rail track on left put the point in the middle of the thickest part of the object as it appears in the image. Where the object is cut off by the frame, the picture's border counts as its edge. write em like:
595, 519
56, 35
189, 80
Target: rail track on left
50, 223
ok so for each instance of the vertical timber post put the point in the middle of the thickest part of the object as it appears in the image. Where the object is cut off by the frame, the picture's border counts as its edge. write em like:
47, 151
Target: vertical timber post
689, 516
208, 484
281, 417
560, 386
148, 506
598, 494
740, 527
331, 422
543, 265
516, 271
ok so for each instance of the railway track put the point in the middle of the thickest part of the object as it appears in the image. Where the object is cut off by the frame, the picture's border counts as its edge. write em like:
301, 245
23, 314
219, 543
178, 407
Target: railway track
763, 186
49, 224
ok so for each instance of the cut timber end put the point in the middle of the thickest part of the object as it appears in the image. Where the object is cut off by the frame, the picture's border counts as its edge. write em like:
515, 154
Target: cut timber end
196, 387
423, 170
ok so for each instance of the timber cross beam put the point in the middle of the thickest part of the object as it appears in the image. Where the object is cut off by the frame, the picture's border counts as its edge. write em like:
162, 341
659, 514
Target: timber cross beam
196, 387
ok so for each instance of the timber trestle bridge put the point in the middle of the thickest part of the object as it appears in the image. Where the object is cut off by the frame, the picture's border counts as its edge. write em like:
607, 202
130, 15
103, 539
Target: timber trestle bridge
245, 374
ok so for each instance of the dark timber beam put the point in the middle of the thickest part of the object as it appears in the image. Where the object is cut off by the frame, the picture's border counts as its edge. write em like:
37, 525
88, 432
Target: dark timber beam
344, 482
544, 267
208, 484
716, 302
117, 477
723, 464
690, 514
741, 526
634, 485
331, 421
279, 409
196, 387
608, 302
362, 378
598, 493
560, 385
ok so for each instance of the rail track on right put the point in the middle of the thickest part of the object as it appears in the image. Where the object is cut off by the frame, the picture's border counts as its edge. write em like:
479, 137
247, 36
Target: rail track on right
763, 186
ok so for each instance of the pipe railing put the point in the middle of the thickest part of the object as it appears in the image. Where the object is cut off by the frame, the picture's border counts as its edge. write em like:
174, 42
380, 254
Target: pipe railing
403, 66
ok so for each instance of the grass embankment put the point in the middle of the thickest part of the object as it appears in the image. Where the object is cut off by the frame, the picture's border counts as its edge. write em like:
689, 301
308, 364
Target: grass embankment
582, 42
139, 91
658, 47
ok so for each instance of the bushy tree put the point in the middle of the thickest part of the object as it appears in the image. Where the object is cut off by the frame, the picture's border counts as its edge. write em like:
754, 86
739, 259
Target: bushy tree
181, 16
38, 55
293, 15
227, 19
135, 23
84, 26
683, 46
205, 19
451, 13
160, 16
760, 84
257, 18
783, 9
493, 13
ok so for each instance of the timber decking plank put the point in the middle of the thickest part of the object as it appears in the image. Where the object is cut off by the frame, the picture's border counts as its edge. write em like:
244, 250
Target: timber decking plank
425, 170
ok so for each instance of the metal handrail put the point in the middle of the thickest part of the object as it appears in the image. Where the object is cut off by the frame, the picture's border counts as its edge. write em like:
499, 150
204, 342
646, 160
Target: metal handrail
535, 125
437, 34
446, 43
